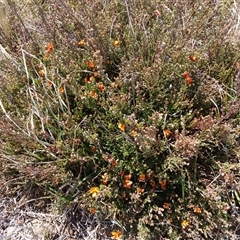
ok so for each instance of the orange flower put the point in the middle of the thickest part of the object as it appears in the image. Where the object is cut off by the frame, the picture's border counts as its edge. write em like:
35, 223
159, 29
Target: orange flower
90, 64
156, 13
49, 47
142, 177
170, 220
94, 191
116, 235
116, 43
81, 43
163, 184
105, 179
185, 224
192, 58
129, 176
197, 210
140, 190
49, 83
189, 80
61, 90
92, 78
225, 208
113, 85
186, 74
150, 174
167, 133
94, 149
153, 184
56, 180
107, 62
100, 87
96, 74
166, 205
93, 94
46, 56
127, 183
41, 73
121, 127
133, 133
114, 163
92, 210
88, 80
121, 173
77, 141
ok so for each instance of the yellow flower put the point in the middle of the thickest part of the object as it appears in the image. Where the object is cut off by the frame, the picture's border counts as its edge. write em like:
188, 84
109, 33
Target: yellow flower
116, 235
94, 191
121, 127
185, 224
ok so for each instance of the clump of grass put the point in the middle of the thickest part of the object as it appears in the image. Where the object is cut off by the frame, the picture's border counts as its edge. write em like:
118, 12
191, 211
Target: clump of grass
130, 110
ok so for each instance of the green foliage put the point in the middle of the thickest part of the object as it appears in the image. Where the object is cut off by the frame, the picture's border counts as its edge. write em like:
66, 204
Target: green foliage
133, 108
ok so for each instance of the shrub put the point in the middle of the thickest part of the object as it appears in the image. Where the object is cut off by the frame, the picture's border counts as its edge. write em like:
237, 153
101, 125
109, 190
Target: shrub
129, 109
